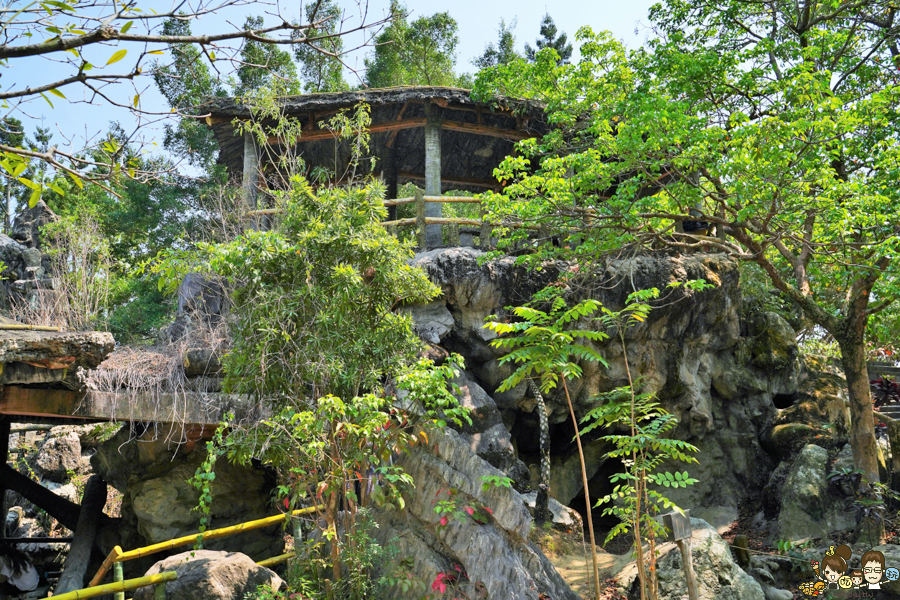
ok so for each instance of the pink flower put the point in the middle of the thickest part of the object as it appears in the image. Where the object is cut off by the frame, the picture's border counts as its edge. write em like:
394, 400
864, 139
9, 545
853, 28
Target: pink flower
470, 510
444, 521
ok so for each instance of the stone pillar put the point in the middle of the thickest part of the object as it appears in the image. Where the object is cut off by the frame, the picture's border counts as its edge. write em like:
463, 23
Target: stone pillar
434, 237
250, 181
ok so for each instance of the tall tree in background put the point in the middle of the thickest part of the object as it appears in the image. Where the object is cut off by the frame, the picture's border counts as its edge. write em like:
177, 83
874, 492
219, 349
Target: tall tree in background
504, 52
186, 83
778, 127
261, 61
419, 53
322, 72
549, 39
11, 134
99, 52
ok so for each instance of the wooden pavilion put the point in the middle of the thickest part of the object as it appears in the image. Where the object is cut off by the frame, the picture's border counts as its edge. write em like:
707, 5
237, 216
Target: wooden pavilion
436, 135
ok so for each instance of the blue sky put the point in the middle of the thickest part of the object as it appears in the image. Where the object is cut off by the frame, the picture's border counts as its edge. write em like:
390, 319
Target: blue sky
478, 20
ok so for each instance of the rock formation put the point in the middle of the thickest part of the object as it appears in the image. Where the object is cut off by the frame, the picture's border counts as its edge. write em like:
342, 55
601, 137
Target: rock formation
719, 373
211, 576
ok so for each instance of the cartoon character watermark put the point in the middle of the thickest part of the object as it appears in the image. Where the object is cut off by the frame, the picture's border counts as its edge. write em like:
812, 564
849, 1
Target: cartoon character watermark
836, 573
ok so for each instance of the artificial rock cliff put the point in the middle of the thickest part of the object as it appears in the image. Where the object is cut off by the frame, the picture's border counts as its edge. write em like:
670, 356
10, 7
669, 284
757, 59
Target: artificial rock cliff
719, 371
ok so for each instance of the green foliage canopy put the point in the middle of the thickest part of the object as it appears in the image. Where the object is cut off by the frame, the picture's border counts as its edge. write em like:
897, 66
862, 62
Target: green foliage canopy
777, 128
419, 53
314, 296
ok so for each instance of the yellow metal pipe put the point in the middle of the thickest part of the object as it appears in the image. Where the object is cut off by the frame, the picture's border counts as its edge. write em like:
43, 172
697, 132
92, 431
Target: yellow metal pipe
105, 567
212, 534
18, 326
276, 559
119, 586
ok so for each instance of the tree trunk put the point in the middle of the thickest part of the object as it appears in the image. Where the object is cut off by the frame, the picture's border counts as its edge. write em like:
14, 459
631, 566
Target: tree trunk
4, 456
79, 555
862, 422
541, 504
587, 494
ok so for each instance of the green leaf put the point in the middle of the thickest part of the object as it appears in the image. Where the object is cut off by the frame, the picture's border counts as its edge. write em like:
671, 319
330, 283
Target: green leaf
76, 179
126, 27
137, 97
56, 92
56, 188
35, 197
117, 57
47, 99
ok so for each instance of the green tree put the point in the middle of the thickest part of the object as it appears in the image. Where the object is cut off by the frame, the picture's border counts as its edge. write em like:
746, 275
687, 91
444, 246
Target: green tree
11, 134
777, 128
322, 71
543, 344
321, 284
98, 49
419, 53
549, 39
504, 52
260, 61
186, 82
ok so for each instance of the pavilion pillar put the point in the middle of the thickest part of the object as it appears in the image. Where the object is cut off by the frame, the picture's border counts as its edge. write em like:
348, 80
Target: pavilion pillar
433, 233
389, 170
250, 181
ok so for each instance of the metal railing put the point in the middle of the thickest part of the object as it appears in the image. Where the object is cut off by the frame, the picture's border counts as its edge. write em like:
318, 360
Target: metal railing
117, 556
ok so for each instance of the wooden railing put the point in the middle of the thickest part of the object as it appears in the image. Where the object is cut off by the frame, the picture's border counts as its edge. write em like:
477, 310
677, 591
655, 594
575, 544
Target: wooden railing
117, 556
420, 221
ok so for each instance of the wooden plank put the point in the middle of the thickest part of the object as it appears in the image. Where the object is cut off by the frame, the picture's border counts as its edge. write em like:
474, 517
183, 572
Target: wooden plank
33, 402
399, 201
453, 199
475, 129
322, 134
187, 407
457, 181
412, 123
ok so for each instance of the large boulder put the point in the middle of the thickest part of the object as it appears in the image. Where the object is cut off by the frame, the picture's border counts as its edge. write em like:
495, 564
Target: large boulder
808, 507
61, 357
59, 456
818, 413
495, 555
718, 576
209, 575
152, 471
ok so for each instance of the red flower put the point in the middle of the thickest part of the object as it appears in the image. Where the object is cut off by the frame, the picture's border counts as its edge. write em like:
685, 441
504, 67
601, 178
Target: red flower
470, 510
444, 521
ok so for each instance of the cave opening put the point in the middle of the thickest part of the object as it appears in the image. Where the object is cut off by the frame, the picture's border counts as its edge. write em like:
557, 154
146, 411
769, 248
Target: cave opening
599, 486
782, 401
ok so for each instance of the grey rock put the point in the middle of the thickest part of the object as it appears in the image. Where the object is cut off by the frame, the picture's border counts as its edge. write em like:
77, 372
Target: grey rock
152, 471
718, 576
564, 518
691, 353
432, 321
496, 555
808, 509
57, 456
209, 575
27, 226
32, 258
